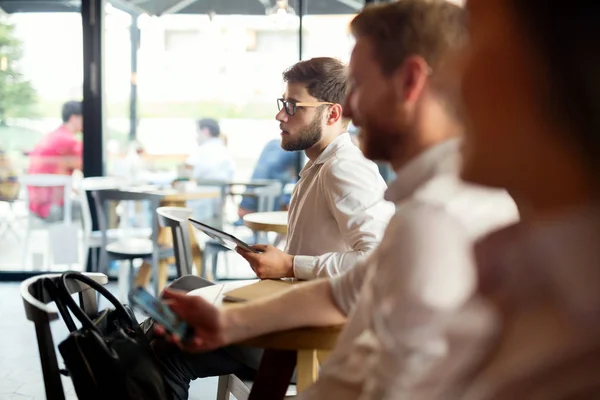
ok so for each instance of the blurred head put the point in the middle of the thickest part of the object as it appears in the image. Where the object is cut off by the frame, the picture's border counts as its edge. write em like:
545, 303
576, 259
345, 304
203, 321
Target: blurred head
400, 87
208, 128
318, 86
532, 96
72, 116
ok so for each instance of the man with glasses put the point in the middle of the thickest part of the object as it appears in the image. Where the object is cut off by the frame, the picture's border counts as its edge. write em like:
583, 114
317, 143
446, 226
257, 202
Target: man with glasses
337, 211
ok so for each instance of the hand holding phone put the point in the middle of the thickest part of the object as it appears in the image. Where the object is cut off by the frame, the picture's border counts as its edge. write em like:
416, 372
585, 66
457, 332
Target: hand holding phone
161, 313
207, 320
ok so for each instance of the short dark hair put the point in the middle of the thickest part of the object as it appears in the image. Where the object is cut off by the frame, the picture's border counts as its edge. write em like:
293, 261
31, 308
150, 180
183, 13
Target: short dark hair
212, 125
398, 30
326, 78
69, 109
565, 35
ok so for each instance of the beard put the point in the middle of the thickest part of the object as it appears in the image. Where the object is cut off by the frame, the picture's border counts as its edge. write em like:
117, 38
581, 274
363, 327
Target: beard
306, 138
380, 128
378, 142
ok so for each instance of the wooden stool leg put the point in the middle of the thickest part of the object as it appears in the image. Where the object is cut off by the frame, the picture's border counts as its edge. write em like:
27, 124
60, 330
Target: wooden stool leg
197, 256
274, 375
163, 272
198, 263
143, 277
308, 369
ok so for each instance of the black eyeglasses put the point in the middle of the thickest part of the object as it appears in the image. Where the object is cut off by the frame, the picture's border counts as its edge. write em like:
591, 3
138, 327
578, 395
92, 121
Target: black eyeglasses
292, 106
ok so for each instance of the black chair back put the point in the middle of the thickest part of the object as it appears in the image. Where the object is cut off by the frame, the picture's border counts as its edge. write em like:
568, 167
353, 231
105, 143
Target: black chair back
35, 300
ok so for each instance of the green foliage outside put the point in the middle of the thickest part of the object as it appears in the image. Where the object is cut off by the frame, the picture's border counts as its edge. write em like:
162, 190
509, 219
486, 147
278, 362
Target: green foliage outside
14, 138
17, 96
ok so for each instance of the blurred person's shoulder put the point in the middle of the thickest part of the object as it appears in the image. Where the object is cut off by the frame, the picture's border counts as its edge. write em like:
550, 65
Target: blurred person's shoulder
481, 210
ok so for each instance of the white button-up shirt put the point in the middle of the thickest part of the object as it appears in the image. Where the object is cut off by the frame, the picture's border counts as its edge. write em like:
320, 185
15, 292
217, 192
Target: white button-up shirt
337, 211
211, 161
398, 299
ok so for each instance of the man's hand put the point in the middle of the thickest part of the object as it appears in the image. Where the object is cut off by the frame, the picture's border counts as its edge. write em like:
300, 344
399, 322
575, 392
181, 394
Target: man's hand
204, 318
271, 263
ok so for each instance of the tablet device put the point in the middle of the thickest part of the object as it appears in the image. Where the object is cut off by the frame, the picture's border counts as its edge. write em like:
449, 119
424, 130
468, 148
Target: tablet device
226, 239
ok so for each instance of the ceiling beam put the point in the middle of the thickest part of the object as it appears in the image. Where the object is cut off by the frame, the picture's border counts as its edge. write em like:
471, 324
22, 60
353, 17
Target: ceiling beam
355, 4
9, 6
176, 7
128, 7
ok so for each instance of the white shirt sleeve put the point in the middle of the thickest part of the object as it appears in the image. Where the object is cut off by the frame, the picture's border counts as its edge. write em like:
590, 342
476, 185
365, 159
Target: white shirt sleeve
425, 272
347, 287
355, 199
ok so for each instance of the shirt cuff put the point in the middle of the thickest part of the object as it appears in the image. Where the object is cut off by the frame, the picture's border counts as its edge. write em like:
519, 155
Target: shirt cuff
304, 267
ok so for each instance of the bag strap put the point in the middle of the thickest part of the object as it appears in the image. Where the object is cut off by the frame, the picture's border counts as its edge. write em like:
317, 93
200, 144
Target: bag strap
50, 286
76, 309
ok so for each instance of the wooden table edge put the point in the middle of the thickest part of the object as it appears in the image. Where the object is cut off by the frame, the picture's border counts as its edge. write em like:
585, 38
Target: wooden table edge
297, 339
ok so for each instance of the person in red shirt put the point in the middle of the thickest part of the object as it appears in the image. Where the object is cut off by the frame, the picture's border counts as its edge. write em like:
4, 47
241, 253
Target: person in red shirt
59, 152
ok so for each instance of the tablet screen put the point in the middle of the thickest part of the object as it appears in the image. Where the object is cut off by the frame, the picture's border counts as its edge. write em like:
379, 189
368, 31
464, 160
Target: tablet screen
226, 239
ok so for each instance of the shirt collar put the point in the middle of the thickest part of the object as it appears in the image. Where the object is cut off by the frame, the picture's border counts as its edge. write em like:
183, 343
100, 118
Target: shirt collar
338, 143
441, 158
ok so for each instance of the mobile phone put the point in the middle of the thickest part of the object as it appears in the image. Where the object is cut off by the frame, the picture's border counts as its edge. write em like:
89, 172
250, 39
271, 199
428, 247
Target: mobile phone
161, 313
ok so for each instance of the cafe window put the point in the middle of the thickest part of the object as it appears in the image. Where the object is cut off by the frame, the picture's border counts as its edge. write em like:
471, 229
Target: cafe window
41, 75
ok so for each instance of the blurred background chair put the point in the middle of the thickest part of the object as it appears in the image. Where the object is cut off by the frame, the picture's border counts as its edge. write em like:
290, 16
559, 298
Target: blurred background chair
9, 195
44, 181
92, 239
176, 219
268, 197
130, 247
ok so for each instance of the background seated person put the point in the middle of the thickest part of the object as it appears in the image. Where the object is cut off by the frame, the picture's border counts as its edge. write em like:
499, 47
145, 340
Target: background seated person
209, 161
59, 152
